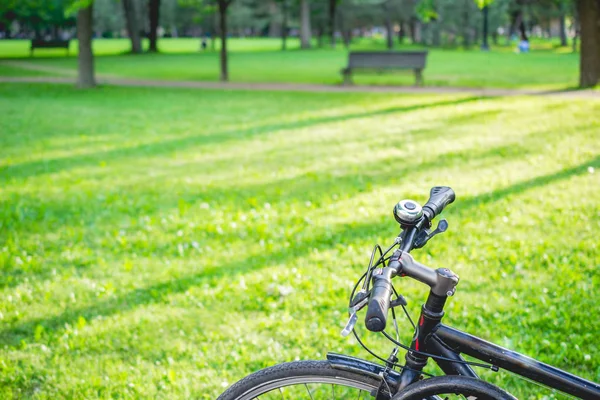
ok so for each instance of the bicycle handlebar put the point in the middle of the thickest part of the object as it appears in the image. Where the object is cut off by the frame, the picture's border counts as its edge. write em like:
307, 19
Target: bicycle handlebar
379, 302
439, 198
442, 282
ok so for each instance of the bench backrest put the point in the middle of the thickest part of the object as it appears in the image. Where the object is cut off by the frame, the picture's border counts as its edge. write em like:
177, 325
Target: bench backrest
388, 59
37, 43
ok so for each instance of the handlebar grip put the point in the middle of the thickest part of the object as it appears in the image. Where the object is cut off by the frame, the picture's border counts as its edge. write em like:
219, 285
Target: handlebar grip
379, 302
439, 198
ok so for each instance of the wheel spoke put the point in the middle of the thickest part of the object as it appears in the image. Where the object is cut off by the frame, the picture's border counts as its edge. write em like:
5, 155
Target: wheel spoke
309, 393
359, 394
281, 391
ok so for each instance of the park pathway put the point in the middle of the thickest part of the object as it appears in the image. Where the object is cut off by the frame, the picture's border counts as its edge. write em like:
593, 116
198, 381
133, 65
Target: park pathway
287, 87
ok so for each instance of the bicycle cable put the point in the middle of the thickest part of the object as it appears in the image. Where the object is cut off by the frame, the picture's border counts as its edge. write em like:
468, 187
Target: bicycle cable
397, 342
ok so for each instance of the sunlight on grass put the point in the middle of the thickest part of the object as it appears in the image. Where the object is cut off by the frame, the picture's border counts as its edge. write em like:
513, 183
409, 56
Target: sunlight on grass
165, 243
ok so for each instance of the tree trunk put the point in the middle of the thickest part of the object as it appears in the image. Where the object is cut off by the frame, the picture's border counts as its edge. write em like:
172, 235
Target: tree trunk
346, 33
436, 32
402, 32
213, 31
523, 30
320, 36
85, 59
331, 21
485, 45
387, 21
284, 27
465, 24
576, 29
416, 31
516, 17
274, 29
305, 31
589, 64
562, 26
132, 26
223, 4
153, 14
388, 26
563, 30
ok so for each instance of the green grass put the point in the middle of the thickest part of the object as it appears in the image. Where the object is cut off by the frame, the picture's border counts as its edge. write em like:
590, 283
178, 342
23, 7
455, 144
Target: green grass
165, 243
8, 70
260, 60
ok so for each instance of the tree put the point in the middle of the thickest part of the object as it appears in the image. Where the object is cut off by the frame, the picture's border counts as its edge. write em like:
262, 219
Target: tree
517, 20
153, 14
485, 12
305, 30
223, 5
563, 25
331, 20
132, 26
284, 27
388, 25
85, 58
484, 5
589, 64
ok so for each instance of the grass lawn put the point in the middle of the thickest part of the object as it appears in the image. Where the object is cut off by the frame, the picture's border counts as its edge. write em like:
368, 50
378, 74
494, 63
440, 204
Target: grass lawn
162, 243
260, 60
8, 70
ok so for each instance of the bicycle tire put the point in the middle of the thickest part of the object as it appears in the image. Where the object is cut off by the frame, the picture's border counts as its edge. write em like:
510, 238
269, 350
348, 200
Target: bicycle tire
452, 384
296, 373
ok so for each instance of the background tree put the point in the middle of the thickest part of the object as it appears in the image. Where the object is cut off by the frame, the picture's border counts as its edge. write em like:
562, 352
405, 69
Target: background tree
223, 5
85, 57
153, 16
305, 26
284, 24
331, 17
589, 65
485, 12
133, 30
389, 29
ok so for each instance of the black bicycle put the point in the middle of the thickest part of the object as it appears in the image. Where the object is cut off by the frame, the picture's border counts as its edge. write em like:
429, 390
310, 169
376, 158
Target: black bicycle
344, 377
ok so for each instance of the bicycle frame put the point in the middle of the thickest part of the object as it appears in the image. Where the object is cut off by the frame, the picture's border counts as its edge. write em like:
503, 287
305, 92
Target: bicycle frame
452, 342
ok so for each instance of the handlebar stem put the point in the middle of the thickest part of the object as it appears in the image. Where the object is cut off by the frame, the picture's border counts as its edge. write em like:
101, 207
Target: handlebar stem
442, 281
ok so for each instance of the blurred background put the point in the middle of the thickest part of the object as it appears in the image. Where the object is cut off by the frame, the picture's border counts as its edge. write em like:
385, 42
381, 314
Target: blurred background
189, 189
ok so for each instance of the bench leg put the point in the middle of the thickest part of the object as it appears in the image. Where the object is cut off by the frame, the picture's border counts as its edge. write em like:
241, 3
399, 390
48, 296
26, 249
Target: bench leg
347, 78
419, 77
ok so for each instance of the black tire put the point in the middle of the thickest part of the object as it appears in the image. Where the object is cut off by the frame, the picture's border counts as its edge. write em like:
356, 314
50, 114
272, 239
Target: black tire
459, 385
297, 373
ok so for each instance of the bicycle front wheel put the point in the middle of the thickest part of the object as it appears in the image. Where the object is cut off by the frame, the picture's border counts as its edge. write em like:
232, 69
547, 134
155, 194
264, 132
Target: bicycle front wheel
315, 380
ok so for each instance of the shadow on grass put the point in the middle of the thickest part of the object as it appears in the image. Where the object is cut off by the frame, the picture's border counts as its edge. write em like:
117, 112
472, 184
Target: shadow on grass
156, 293
315, 187
24, 216
36, 168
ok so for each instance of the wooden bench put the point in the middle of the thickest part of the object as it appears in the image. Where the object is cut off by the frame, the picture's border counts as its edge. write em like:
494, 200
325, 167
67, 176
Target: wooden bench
386, 60
48, 44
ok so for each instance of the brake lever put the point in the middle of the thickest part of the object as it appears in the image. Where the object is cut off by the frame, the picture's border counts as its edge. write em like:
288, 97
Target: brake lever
359, 301
426, 235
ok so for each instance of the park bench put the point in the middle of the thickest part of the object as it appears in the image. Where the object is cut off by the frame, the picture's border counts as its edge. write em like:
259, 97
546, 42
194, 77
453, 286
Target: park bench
386, 60
48, 44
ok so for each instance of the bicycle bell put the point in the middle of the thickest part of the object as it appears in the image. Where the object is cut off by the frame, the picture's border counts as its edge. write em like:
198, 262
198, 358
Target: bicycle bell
408, 212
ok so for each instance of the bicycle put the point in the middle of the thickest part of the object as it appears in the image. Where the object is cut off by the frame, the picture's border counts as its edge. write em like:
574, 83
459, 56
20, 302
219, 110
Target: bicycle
432, 339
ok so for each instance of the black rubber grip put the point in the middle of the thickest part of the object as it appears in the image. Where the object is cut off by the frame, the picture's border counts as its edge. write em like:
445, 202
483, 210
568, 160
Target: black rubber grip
379, 302
439, 198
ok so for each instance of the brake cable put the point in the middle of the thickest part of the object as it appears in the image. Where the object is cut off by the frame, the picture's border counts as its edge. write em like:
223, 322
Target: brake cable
397, 342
